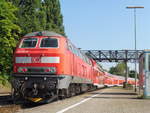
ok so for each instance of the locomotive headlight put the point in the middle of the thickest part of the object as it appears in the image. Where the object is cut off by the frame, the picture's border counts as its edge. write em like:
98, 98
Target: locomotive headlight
22, 69
51, 70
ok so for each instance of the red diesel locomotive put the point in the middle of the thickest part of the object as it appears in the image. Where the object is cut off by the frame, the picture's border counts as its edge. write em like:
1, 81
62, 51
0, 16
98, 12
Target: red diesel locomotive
47, 65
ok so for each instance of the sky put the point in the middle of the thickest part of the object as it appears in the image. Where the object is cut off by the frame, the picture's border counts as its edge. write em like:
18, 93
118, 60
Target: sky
106, 24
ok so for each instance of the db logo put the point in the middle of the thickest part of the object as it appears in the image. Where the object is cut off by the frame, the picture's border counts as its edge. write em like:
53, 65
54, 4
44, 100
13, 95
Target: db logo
36, 60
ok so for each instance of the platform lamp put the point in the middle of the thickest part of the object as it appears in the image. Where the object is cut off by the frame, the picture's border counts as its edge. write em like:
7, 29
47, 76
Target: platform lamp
136, 53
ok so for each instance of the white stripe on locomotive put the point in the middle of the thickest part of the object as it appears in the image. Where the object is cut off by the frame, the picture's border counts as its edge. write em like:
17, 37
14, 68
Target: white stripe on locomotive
43, 60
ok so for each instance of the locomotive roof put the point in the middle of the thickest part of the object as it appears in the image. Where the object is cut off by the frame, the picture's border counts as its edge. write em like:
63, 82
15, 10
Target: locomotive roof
42, 33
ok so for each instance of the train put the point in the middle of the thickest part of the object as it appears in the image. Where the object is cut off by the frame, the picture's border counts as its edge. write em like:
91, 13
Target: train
47, 65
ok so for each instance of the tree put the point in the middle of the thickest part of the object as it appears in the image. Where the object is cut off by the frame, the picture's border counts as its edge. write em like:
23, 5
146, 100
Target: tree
54, 18
31, 15
132, 73
113, 70
119, 69
9, 32
38, 15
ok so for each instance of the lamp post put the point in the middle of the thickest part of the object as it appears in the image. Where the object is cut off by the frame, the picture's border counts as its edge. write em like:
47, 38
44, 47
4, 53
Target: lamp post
136, 54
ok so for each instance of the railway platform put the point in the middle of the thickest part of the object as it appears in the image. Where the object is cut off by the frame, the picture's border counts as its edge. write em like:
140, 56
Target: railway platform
108, 100
113, 100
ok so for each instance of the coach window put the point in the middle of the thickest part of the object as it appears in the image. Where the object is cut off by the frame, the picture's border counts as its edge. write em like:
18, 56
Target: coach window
87, 60
82, 57
49, 42
73, 50
76, 52
70, 48
29, 43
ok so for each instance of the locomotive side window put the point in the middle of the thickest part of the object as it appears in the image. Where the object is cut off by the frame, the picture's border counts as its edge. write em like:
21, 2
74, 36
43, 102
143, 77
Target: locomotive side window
69, 47
29, 43
49, 42
78, 53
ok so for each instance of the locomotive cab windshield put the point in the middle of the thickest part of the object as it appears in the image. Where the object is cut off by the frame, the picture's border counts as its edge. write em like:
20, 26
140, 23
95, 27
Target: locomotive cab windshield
47, 42
28, 43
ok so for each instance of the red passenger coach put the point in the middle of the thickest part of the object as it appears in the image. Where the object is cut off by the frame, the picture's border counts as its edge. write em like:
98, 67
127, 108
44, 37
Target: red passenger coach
47, 65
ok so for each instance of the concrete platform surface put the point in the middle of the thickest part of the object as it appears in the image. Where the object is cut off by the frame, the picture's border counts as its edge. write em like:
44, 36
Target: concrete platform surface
109, 100
114, 100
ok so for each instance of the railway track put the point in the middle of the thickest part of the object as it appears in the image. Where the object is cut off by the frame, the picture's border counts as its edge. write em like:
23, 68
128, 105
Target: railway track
7, 104
5, 98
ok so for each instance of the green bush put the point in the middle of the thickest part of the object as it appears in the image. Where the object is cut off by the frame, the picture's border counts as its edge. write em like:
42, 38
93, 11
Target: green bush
5, 80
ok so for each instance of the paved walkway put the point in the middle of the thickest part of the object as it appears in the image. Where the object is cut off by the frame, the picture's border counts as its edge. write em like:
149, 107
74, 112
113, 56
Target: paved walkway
114, 100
